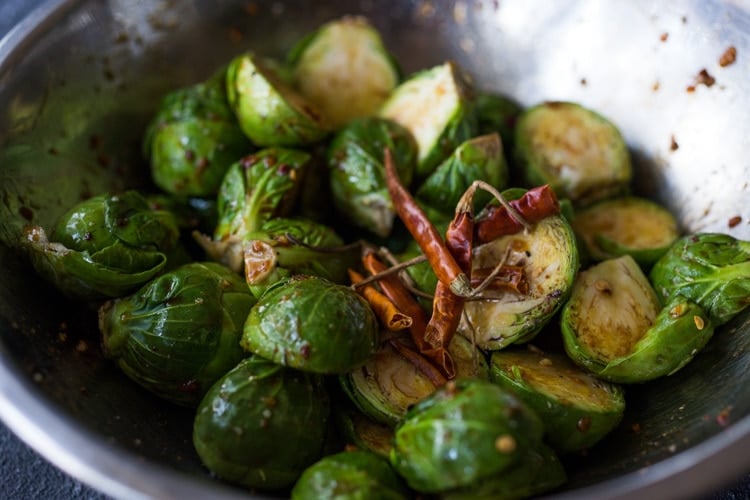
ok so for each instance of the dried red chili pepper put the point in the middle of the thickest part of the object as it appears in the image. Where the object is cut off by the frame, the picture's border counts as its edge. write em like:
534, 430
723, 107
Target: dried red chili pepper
533, 206
424, 233
386, 311
508, 277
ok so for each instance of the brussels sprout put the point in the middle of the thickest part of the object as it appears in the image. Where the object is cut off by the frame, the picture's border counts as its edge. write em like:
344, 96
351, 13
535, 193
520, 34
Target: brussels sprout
191, 213
105, 247
295, 246
539, 470
193, 138
435, 105
355, 475
629, 225
497, 113
710, 269
577, 409
312, 324
180, 332
478, 159
270, 112
344, 69
357, 174
548, 257
261, 425
387, 385
362, 431
463, 433
578, 152
614, 325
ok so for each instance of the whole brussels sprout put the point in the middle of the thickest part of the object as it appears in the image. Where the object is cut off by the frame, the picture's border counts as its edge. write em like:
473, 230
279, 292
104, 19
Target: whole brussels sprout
344, 69
711, 269
357, 174
614, 325
312, 324
269, 110
193, 138
180, 332
497, 113
465, 432
354, 475
261, 425
106, 247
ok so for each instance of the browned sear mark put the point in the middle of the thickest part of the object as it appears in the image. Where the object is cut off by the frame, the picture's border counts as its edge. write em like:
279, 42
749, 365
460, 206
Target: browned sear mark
728, 57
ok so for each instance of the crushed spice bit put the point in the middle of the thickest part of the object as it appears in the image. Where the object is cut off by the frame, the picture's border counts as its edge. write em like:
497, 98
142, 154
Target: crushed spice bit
723, 417
505, 444
702, 78
664, 36
583, 82
728, 57
673, 146
655, 86
735, 221
699, 323
636, 427
82, 346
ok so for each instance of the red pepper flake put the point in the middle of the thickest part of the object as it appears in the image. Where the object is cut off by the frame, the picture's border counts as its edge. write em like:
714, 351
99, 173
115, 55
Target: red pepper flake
673, 146
735, 221
583, 82
702, 78
723, 417
664, 36
728, 57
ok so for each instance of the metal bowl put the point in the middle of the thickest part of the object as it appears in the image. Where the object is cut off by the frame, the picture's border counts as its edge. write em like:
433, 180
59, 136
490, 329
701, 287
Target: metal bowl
78, 80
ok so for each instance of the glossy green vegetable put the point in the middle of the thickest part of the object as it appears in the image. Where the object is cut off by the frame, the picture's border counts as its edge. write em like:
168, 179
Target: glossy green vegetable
478, 159
261, 425
193, 138
581, 154
295, 246
435, 105
577, 409
344, 69
180, 332
362, 431
192, 213
357, 174
548, 258
710, 269
614, 325
105, 247
312, 324
629, 225
498, 113
463, 433
270, 112
387, 385
256, 189
350, 475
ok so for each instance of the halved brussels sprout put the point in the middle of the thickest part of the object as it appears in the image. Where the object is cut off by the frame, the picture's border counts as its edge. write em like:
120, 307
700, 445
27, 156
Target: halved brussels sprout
498, 113
350, 475
344, 69
538, 471
362, 431
581, 154
387, 385
312, 324
629, 225
548, 258
614, 325
284, 247
357, 174
577, 409
261, 425
105, 247
193, 138
478, 159
465, 432
435, 105
180, 332
710, 269
269, 111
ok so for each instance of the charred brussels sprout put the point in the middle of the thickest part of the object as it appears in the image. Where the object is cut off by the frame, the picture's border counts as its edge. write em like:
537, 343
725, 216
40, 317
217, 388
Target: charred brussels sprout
357, 174
435, 105
635, 226
578, 152
270, 112
261, 425
355, 475
710, 269
295, 246
344, 69
180, 332
312, 324
615, 326
478, 159
193, 138
463, 433
105, 247
577, 409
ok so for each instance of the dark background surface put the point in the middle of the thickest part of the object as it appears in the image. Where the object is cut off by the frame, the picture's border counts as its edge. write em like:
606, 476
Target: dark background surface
24, 474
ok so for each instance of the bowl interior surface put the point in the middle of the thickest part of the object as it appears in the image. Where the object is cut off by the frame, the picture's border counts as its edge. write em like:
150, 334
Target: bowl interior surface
79, 80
